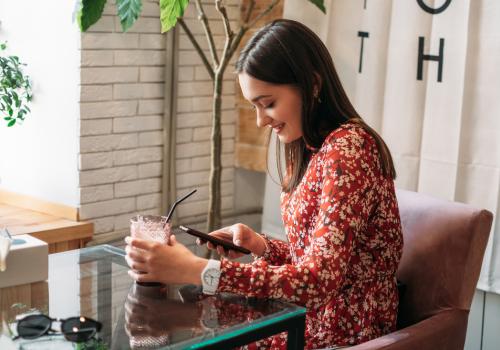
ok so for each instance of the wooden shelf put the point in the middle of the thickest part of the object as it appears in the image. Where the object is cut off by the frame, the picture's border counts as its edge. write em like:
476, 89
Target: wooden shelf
61, 234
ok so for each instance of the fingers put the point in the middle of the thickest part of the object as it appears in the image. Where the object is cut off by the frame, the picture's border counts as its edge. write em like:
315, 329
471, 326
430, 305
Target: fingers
135, 265
239, 234
212, 246
139, 243
140, 277
223, 234
242, 234
135, 259
134, 254
200, 241
218, 248
173, 240
238, 239
221, 250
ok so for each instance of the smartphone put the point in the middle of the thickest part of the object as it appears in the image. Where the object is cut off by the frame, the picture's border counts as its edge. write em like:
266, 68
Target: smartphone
214, 240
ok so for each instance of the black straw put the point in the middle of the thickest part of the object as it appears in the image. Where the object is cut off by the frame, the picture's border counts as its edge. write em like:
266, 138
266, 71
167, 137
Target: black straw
177, 202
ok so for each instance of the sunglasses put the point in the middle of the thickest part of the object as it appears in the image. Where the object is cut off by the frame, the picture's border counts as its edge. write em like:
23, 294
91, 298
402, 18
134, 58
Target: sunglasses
75, 329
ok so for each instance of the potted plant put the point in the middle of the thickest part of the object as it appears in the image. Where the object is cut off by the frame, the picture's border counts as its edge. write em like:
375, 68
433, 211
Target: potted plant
15, 89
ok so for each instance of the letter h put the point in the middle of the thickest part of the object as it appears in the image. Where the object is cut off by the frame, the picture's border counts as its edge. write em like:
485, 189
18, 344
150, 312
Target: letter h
421, 57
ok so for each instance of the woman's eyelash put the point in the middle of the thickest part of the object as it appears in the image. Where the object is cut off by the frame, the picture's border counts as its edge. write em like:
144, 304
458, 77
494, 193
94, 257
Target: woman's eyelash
271, 105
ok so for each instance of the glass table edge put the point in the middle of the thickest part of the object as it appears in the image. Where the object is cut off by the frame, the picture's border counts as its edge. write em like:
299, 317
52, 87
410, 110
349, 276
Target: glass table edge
226, 334
104, 247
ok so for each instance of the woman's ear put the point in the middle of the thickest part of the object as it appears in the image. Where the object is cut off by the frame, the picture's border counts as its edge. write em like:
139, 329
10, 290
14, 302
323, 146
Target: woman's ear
317, 82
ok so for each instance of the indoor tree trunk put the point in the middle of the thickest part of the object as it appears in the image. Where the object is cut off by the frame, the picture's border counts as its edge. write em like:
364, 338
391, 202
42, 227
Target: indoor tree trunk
214, 200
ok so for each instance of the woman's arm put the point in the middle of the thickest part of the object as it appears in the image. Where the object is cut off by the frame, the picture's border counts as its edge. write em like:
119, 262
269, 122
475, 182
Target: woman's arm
345, 203
276, 253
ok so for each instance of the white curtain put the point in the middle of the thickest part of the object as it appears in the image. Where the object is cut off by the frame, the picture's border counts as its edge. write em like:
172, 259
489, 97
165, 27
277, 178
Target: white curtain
442, 121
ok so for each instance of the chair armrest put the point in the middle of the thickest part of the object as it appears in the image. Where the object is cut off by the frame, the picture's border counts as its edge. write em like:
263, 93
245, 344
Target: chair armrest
445, 331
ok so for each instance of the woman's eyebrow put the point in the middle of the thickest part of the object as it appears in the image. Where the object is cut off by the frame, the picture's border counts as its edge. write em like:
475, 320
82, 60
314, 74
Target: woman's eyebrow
259, 97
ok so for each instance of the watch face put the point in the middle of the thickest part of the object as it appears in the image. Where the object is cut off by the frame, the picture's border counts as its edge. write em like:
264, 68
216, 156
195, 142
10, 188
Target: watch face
211, 277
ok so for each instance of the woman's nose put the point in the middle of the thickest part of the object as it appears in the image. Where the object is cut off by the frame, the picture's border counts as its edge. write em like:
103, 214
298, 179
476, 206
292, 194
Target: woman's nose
263, 119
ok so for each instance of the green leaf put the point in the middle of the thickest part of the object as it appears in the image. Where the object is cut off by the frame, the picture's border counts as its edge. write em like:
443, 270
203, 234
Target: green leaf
320, 4
16, 99
170, 10
90, 13
128, 11
15, 87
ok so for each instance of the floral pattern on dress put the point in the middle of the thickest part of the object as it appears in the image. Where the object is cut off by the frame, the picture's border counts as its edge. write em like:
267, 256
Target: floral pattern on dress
344, 246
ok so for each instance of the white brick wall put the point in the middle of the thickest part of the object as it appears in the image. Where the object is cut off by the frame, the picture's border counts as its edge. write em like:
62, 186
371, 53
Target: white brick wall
121, 127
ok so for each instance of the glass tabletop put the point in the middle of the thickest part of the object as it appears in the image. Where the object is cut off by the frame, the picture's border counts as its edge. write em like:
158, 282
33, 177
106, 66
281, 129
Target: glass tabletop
93, 282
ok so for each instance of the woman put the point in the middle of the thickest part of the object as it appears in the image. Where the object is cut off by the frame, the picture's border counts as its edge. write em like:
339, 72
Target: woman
338, 202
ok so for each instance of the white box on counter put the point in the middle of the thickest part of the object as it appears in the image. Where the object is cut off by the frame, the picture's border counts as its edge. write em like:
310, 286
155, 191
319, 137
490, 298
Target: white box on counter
27, 262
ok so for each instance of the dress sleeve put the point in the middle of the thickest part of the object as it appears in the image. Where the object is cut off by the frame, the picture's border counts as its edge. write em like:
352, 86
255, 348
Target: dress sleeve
345, 204
277, 252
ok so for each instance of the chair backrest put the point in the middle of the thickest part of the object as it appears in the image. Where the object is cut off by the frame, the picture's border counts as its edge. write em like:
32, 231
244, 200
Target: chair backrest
444, 244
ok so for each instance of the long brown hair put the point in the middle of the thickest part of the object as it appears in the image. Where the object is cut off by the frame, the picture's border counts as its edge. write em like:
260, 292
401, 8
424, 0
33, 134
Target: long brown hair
287, 52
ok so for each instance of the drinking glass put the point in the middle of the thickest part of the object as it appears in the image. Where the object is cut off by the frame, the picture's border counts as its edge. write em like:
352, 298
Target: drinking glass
153, 228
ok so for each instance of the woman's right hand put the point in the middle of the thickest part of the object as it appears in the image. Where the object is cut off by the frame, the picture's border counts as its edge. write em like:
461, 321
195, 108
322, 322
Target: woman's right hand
242, 236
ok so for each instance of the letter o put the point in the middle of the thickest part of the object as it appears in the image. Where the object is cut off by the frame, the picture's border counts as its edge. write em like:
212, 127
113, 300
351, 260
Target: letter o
432, 10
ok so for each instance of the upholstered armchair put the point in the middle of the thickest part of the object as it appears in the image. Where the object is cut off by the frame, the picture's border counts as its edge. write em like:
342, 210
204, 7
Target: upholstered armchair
444, 244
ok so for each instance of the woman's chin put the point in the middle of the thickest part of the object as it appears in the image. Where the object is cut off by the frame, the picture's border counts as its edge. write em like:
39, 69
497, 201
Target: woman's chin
284, 138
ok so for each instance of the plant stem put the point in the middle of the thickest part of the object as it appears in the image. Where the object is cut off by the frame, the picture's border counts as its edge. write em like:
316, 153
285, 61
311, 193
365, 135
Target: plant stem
214, 201
230, 46
249, 12
263, 13
208, 32
197, 47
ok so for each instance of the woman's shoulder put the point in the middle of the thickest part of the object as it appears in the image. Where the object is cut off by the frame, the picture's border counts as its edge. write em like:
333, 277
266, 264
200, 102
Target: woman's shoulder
352, 145
349, 136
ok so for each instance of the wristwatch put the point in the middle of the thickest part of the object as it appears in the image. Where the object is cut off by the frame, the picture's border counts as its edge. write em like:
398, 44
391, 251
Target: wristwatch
210, 277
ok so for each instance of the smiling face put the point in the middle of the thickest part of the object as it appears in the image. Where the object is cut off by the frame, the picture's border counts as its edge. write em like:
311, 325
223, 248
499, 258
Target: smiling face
277, 106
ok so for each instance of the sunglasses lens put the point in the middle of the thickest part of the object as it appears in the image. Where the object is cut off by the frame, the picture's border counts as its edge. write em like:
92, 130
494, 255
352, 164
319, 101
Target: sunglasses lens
79, 329
33, 326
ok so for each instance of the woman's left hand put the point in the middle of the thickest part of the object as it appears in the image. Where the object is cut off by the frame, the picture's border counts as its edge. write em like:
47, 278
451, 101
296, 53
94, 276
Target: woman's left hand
166, 263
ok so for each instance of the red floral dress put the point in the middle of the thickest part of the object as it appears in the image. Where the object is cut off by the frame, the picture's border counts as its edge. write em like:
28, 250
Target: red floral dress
344, 246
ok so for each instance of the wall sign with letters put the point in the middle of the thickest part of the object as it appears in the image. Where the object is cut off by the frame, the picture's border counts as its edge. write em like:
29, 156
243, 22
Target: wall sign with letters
421, 55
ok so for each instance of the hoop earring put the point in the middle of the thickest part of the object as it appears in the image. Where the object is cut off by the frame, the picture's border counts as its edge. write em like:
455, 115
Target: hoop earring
316, 96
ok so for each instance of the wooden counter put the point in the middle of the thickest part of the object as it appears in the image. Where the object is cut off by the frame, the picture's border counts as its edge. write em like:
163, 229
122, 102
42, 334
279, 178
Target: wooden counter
61, 234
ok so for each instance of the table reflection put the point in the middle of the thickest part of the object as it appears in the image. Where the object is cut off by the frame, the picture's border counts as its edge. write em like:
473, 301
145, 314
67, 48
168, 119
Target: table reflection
156, 317
151, 318
94, 282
